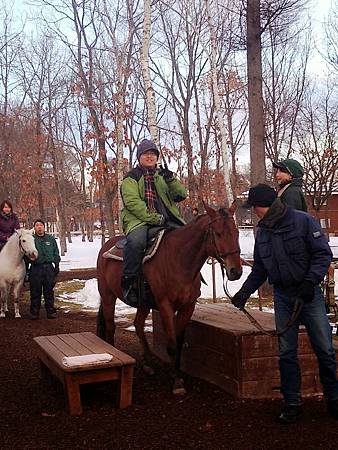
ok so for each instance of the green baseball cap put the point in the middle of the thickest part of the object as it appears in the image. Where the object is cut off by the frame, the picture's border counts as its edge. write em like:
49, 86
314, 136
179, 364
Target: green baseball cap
291, 166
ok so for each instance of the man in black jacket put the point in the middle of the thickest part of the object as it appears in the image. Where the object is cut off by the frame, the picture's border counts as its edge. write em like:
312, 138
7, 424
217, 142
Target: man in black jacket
289, 176
292, 251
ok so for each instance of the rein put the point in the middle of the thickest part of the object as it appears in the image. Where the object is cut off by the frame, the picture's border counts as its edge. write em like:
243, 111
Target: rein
219, 256
292, 319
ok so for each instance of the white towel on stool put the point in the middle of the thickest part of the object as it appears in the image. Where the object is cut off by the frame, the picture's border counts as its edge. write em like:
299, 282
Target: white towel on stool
86, 360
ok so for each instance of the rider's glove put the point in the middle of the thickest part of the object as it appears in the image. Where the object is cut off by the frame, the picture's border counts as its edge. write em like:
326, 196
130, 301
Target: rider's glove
167, 174
306, 291
161, 221
240, 298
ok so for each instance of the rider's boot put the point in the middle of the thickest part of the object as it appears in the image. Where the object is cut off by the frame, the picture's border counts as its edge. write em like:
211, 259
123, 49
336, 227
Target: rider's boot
129, 291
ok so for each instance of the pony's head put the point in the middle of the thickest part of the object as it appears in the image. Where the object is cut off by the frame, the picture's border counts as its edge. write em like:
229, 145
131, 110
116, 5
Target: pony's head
27, 244
223, 240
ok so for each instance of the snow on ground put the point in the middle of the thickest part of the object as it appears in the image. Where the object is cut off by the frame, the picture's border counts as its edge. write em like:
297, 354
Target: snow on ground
84, 254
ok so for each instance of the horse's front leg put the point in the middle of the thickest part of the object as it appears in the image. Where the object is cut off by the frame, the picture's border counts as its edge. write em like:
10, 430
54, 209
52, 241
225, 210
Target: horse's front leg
140, 318
16, 295
108, 311
3, 300
181, 321
167, 316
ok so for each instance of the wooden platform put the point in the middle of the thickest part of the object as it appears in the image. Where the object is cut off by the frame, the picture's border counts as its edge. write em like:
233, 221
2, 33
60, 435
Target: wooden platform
222, 346
53, 349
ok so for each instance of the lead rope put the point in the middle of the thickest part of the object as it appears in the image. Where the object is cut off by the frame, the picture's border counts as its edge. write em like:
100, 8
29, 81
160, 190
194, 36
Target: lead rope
292, 319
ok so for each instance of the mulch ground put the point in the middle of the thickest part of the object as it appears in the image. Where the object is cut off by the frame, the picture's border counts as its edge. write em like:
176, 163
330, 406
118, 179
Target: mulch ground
34, 416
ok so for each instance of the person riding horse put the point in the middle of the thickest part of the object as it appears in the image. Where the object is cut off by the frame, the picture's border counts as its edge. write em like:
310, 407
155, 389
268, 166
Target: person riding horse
8, 222
149, 195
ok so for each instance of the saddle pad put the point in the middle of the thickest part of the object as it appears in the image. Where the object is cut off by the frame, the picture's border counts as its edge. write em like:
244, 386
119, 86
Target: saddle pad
86, 360
116, 252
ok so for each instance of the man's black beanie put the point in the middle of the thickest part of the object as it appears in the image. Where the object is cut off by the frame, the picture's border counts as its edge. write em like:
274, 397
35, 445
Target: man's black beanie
261, 195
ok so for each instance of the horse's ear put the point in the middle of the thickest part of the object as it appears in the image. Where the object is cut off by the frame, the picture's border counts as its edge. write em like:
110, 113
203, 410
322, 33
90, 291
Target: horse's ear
32, 230
210, 211
233, 207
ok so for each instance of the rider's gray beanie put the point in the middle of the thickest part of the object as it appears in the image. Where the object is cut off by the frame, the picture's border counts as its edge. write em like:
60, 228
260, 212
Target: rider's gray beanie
146, 145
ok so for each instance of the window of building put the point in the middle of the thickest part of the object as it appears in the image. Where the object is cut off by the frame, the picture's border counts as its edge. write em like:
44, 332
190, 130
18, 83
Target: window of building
325, 223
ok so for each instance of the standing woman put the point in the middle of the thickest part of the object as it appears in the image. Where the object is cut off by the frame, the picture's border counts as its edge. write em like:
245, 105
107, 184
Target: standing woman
8, 222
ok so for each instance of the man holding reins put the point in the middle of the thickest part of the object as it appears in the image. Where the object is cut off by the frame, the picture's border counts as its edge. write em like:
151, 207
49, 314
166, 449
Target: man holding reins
292, 251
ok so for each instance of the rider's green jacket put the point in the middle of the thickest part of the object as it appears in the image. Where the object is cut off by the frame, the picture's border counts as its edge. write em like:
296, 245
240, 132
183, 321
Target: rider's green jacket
135, 212
48, 250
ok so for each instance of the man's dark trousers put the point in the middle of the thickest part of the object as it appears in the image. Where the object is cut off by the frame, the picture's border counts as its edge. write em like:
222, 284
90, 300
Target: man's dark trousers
42, 281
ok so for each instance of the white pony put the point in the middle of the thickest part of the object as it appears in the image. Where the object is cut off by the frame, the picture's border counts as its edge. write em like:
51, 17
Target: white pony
12, 267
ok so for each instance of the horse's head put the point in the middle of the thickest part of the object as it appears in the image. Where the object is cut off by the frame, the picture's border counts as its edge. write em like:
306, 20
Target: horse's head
27, 244
222, 240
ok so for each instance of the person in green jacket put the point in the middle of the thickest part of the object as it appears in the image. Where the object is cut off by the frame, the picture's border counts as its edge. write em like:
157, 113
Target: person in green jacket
149, 198
289, 176
43, 271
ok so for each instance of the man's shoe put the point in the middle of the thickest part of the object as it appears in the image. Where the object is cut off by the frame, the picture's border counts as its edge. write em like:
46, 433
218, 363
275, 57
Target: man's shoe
34, 316
51, 315
290, 414
129, 291
332, 408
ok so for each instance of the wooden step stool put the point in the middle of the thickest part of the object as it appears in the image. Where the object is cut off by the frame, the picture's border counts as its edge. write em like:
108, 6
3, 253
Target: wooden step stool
53, 349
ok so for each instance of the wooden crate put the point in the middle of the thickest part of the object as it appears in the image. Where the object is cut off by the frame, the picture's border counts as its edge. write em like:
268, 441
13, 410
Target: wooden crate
223, 347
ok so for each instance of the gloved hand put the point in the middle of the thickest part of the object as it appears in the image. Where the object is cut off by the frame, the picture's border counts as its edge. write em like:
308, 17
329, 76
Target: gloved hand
239, 299
167, 174
306, 291
161, 221
56, 269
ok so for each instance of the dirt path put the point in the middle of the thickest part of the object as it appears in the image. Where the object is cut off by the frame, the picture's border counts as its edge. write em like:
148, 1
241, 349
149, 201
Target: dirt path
33, 414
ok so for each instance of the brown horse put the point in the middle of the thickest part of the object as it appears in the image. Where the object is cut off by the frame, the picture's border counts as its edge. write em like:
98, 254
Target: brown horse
173, 274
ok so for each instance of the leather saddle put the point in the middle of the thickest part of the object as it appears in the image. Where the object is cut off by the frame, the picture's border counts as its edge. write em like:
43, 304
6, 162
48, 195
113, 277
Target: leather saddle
116, 252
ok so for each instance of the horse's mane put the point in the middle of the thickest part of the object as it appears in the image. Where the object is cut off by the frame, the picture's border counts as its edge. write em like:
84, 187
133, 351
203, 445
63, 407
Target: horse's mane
223, 212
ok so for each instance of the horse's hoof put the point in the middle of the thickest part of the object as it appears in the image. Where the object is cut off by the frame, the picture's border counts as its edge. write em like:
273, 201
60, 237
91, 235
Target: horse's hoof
17, 316
2, 315
180, 391
178, 388
148, 370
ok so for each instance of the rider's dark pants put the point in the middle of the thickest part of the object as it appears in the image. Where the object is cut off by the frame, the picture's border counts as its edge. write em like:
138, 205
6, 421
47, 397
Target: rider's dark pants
42, 281
134, 250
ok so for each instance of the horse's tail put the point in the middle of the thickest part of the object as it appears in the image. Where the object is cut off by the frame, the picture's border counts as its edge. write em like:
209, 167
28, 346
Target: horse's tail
100, 323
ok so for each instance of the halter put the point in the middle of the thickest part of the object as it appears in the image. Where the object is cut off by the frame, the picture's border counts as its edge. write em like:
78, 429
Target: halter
219, 256
23, 251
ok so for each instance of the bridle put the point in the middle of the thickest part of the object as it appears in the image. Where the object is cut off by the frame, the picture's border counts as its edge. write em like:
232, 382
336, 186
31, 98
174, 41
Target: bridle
220, 258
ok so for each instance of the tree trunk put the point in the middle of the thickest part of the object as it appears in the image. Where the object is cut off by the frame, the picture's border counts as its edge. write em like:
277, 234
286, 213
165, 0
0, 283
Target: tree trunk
218, 109
150, 95
255, 96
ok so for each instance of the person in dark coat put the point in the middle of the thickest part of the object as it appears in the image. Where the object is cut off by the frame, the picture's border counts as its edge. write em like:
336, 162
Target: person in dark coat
43, 271
289, 176
292, 251
8, 222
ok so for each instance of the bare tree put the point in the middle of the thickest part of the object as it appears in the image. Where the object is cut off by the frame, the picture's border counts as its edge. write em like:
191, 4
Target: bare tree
317, 136
331, 30
210, 9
